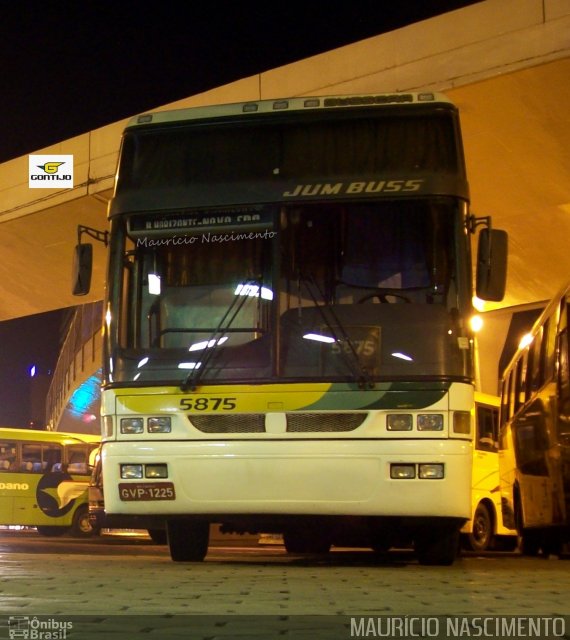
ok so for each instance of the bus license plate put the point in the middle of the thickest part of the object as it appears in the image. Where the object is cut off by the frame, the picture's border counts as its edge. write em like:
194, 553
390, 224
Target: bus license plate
134, 491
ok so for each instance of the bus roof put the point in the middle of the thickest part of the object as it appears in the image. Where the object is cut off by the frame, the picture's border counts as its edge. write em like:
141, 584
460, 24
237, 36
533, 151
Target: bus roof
288, 104
15, 433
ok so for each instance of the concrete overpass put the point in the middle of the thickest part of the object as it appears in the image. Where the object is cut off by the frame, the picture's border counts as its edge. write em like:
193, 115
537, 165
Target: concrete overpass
505, 63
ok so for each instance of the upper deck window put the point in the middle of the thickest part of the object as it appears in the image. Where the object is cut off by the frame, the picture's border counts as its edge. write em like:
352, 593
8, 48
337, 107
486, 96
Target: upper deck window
262, 150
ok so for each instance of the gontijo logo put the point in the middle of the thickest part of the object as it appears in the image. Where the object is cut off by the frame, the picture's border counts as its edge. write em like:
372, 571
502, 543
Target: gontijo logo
51, 172
50, 167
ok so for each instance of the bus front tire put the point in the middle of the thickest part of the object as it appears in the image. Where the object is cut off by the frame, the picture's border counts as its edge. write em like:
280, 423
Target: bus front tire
481, 537
187, 539
81, 526
437, 546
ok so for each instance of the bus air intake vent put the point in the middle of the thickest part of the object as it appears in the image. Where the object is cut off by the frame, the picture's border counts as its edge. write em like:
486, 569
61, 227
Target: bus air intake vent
235, 423
320, 422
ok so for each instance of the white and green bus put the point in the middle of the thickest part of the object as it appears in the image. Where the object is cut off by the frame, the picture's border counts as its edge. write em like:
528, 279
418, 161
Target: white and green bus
287, 337
44, 477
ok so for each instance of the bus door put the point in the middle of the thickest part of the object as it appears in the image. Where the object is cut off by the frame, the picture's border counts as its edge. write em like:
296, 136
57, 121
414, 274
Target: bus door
531, 451
8, 479
486, 462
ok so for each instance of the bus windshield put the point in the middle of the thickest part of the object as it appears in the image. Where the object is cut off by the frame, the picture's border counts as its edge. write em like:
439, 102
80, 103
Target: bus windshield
314, 291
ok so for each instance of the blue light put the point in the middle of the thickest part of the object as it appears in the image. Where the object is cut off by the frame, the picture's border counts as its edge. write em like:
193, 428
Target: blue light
86, 395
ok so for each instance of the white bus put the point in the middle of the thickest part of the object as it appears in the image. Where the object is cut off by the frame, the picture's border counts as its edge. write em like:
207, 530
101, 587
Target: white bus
287, 339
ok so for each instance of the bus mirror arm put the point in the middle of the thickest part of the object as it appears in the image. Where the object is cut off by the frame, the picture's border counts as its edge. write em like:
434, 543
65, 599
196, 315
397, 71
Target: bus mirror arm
83, 259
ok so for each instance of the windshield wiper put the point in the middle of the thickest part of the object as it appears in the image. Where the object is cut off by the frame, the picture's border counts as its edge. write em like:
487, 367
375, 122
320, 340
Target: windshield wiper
193, 378
359, 371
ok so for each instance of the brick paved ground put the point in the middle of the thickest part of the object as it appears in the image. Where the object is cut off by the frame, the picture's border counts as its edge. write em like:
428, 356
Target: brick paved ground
128, 590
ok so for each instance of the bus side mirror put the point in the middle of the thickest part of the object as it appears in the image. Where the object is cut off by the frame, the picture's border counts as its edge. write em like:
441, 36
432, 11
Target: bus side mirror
82, 268
492, 264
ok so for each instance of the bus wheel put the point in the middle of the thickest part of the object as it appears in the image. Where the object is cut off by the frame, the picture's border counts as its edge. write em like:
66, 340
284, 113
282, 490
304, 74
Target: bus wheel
187, 539
81, 527
481, 536
437, 545
52, 532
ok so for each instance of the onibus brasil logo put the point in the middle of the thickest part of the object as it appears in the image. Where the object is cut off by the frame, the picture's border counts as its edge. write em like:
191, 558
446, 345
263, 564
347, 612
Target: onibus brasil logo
50, 172
35, 628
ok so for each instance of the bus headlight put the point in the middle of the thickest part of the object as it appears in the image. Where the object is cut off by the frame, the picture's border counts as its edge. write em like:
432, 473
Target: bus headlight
430, 422
402, 471
132, 425
430, 471
131, 471
155, 471
399, 422
159, 425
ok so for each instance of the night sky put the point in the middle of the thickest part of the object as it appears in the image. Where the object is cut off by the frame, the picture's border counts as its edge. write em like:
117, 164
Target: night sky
25, 342
69, 67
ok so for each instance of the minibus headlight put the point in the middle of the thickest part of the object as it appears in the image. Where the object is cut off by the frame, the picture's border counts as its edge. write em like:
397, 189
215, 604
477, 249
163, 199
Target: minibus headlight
430, 422
159, 425
399, 422
132, 425
461, 422
402, 471
131, 471
155, 471
431, 471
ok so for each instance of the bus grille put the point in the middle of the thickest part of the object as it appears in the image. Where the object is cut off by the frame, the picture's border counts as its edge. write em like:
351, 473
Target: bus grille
319, 422
236, 423
296, 422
